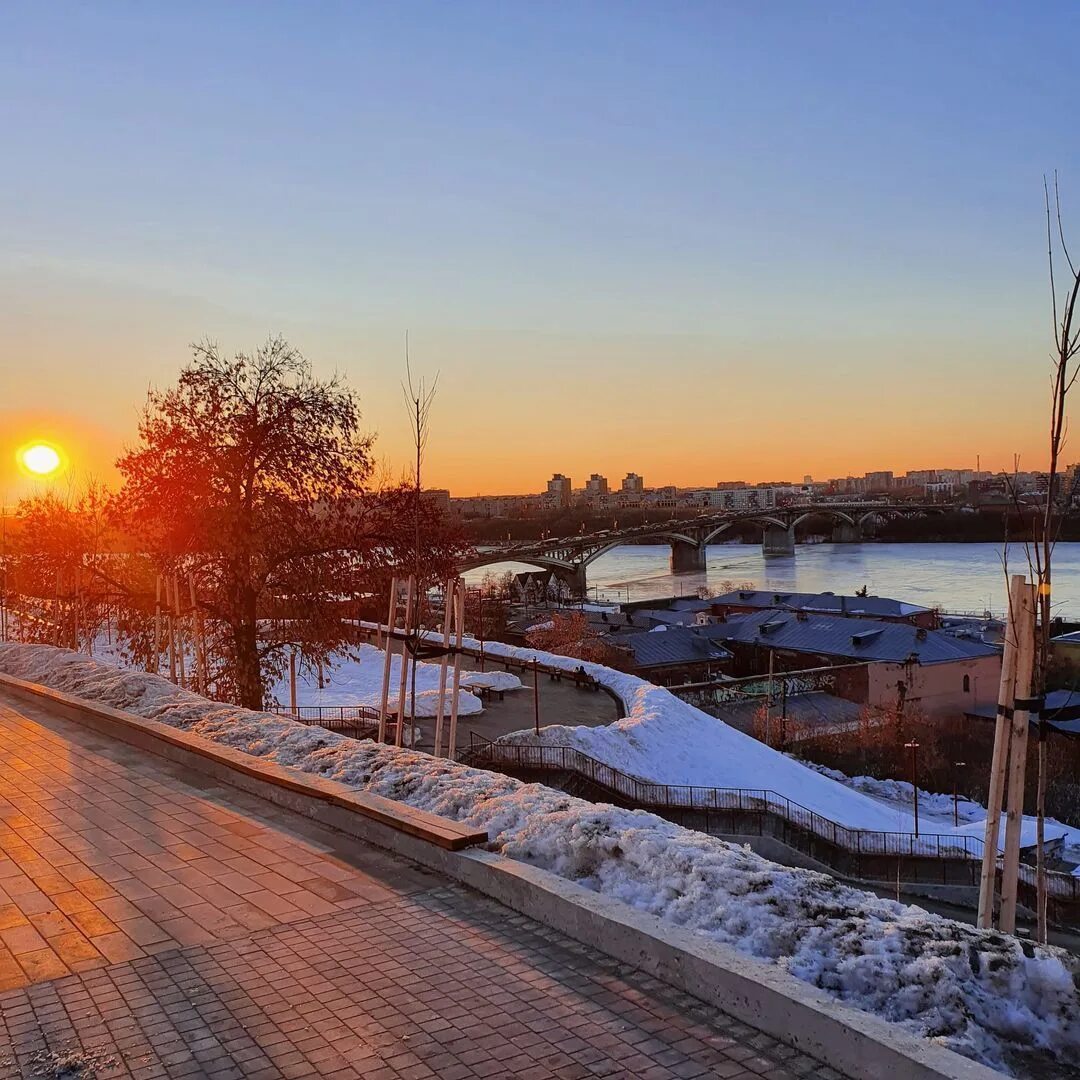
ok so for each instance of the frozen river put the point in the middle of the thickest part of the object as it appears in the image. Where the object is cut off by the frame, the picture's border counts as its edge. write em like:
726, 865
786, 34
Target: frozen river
959, 577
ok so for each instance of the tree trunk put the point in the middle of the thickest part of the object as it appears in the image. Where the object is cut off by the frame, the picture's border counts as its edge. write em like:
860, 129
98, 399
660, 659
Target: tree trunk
246, 643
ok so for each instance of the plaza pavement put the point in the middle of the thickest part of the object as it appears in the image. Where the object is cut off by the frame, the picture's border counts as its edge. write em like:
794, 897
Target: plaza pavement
153, 925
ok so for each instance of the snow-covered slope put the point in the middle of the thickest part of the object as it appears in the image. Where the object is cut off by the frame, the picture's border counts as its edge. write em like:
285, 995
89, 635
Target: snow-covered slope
975, 991
663, 738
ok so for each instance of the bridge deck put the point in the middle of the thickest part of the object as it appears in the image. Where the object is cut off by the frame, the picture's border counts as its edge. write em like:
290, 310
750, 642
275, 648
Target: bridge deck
151, 926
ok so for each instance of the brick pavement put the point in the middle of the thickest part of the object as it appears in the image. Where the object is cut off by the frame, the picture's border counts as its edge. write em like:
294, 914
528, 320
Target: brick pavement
156, 927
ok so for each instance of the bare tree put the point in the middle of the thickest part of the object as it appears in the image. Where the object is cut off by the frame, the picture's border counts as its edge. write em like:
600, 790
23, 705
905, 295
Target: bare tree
419, 398
1047, 526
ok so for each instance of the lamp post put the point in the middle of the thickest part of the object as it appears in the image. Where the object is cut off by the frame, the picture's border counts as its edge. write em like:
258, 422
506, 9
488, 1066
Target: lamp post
481, 626
913, 746
956, 794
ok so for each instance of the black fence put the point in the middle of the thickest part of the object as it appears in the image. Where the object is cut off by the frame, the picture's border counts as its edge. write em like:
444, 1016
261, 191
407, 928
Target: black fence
356, 721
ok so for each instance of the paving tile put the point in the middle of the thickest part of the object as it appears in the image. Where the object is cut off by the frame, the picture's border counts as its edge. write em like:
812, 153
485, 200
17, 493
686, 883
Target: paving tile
166, 929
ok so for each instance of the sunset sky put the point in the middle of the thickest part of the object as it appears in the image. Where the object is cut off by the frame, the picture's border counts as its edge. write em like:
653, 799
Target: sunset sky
696, 241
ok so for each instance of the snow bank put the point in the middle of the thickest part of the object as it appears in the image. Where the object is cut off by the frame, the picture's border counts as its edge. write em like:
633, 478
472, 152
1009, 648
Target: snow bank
974, 991
357, 680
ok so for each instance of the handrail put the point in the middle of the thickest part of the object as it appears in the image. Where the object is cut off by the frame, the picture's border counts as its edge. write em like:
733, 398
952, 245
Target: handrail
361, 721
646, 794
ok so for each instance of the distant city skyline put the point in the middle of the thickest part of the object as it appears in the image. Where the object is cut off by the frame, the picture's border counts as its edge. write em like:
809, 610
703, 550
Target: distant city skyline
586, 482
714, 239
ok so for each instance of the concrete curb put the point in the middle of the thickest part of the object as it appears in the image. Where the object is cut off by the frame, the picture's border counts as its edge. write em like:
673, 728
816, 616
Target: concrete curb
763, 995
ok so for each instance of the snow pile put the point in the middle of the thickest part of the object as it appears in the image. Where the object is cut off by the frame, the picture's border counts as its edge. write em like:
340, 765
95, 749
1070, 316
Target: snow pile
494, 680
357, 680
975, 991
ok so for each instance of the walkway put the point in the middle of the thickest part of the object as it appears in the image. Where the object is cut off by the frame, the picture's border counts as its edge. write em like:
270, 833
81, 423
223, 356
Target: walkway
153, 926
561, 702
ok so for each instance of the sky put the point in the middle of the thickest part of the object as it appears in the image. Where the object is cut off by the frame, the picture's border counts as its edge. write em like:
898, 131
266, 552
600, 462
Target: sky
697, 241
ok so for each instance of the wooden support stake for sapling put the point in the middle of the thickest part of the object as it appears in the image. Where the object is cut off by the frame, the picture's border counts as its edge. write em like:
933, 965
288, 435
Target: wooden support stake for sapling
440, 706
292, 682
459, 624
180, 643
1006, 697
75, 610
391, 619
197, 636
403, 685
155, 652
1018, 739
171, 630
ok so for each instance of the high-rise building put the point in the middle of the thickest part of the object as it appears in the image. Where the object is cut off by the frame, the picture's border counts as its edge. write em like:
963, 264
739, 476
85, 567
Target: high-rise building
633, 484
878, 481
559, 490
596, 485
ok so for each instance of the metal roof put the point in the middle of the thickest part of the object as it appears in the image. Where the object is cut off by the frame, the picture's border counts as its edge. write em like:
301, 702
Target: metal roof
676, 646
880, 606
847, 637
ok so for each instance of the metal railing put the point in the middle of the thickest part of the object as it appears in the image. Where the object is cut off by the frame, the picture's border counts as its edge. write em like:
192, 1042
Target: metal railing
800, 822
358, 721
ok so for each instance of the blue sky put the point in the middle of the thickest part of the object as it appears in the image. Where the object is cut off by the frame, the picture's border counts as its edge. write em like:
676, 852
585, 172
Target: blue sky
591, 218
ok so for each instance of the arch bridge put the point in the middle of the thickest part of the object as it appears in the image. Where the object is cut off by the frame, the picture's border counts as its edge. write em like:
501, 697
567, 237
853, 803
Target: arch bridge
568, 557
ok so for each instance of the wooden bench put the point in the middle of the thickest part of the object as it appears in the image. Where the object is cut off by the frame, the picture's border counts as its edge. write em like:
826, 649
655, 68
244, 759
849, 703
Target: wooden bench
585, 681
487, 693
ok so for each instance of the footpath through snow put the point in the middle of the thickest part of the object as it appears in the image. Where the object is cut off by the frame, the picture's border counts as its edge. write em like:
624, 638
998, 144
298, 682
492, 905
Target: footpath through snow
977, 992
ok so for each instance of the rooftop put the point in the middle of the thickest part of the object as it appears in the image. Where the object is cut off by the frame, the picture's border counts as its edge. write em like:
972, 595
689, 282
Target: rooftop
675, 646
847, 637
873, 606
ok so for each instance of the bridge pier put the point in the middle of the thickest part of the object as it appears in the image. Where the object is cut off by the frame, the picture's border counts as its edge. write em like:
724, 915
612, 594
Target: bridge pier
843, 533
687, 558
778, 541
573, 578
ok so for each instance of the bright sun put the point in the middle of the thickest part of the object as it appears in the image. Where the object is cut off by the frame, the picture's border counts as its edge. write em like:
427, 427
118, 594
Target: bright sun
41, 459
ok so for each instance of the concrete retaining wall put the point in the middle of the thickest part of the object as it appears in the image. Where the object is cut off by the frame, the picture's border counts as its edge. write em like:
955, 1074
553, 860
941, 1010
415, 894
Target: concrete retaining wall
856, 1043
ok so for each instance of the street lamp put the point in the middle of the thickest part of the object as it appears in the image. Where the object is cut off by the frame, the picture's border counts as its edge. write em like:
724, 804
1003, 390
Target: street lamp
956, 794
913, 746
480, 599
